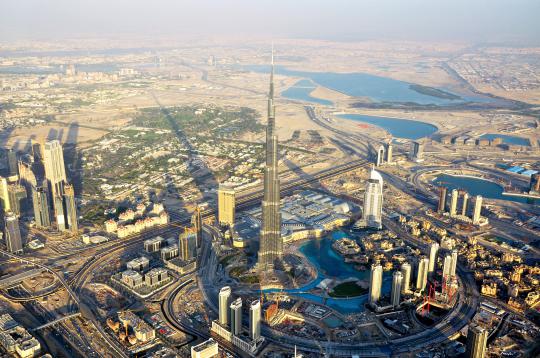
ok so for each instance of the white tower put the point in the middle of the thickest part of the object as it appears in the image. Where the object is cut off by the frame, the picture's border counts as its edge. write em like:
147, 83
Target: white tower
453, 202
224, 303
447, 267
406, 271
255, 320
397, 280
373, 200
433, 249
236, 316
421, 279
477, 210
454, 263
375, 283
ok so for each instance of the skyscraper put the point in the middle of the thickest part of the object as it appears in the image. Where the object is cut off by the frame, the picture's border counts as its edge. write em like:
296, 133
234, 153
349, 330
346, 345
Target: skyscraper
255, 320
397, 280
477, 210
41, 207
71, 208
417, 151
421, 279
226, 205
59, 213
236, 316
196, 221
14, 242
442, 199
464, 202
375, 283
55, 172
476, 341
389, 152
453, 202
453, 267
4, 195
379, 160
406, 271
11, 159
447, 267
373, 200
433, 250
271, 243
17, 198
188, 245
534, 184
224, 303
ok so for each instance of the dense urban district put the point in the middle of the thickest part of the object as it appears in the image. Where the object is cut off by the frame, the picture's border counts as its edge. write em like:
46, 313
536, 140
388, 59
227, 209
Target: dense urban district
362, 199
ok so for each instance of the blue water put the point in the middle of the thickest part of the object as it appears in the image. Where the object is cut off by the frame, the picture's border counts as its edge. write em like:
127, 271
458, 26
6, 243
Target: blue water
477, 186
376, 88
330, 265
399, 128
302, 91
508, 139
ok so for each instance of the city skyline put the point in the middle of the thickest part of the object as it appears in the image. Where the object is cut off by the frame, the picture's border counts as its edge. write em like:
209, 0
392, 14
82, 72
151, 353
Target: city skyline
171, 187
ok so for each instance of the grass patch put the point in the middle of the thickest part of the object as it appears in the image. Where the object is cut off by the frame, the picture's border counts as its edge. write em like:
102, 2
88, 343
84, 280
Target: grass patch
347, 289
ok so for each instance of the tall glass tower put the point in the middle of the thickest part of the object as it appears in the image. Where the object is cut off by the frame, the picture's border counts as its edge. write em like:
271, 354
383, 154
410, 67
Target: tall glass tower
271, 244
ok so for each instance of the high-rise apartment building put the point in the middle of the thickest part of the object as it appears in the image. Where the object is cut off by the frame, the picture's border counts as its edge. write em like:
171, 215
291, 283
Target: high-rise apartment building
55, 171
70, 208
226, 205
255, 320
187, 245
13, 236
433, 250
42, 216
476, 342
373, 200
406, 271
375, 283
397, 280
421, 279
236, 316
225, 300
477, 213
441, 207
454, 202
196, 221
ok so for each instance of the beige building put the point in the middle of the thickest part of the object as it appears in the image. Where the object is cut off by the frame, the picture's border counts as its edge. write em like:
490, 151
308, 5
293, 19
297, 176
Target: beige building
226, 205
206, 349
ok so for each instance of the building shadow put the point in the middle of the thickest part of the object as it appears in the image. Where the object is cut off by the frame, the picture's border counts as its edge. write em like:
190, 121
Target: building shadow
73, 158
203, 177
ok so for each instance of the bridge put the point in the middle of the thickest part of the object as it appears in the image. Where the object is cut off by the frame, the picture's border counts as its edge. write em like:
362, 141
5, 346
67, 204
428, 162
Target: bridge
58, 320
11, 280
32, 262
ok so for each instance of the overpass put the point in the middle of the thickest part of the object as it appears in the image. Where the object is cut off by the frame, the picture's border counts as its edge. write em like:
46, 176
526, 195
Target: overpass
32, 262
58, 320
12, 280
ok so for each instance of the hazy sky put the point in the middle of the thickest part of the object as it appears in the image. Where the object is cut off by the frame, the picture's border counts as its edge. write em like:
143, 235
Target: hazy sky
477, 20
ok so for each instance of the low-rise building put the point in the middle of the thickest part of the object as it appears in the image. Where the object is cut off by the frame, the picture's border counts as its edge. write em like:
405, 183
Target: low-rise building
132, 279
138, 264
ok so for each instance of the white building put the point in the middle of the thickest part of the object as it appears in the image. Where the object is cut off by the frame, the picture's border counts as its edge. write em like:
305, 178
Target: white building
397, 280
421, 279
373, 201
406, 271
375, 283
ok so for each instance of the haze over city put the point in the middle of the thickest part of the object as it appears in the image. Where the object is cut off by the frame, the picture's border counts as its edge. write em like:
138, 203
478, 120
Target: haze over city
270, 179
479, 20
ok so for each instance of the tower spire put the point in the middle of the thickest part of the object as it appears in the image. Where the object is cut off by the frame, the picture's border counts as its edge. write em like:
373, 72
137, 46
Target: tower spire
271, 109
271, 92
